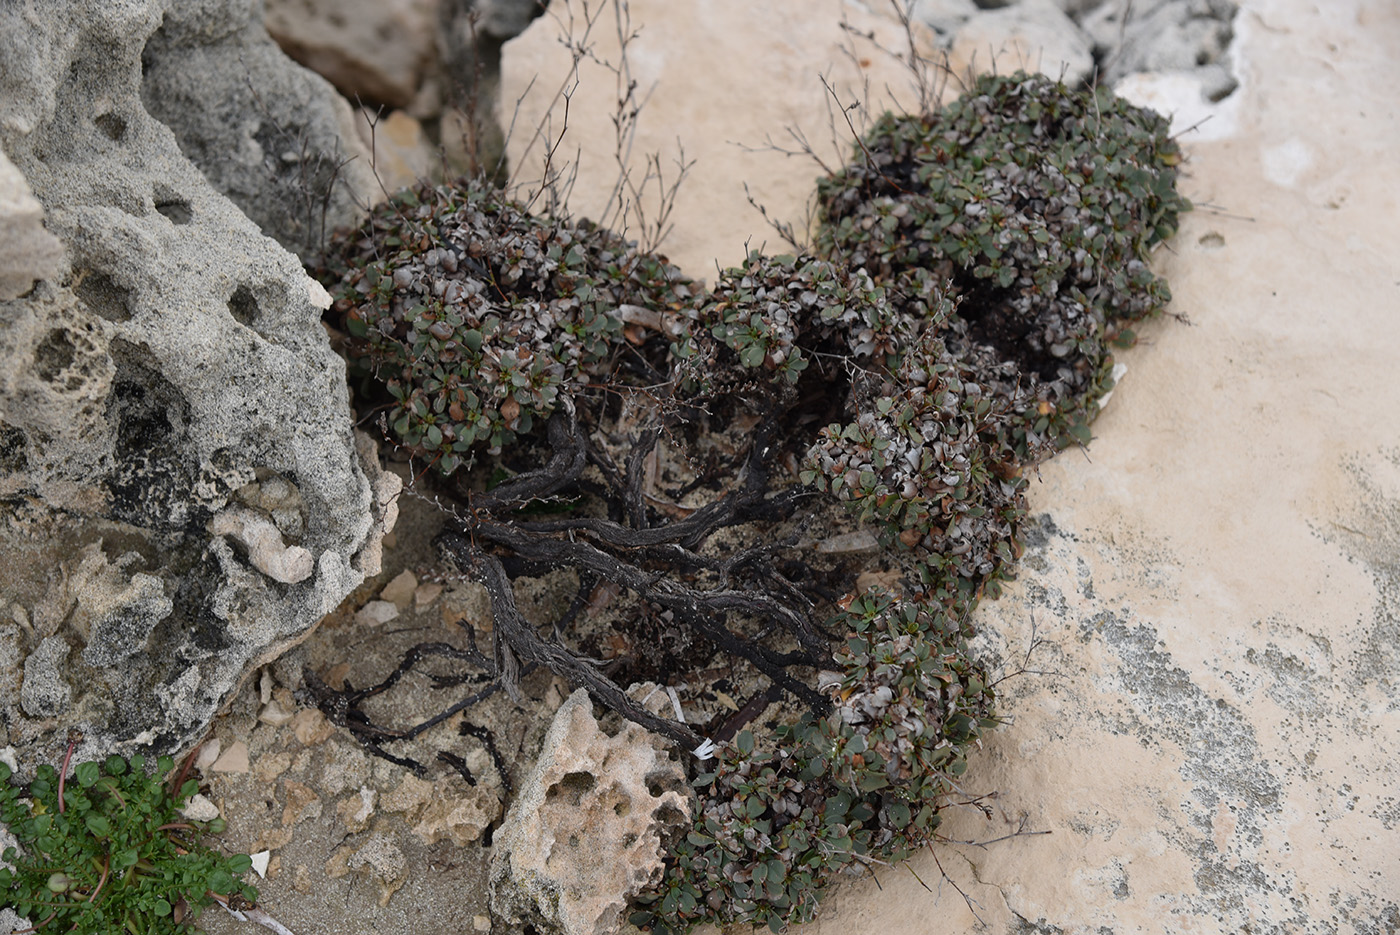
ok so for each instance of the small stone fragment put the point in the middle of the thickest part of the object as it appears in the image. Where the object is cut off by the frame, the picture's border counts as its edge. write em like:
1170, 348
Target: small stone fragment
302, 802
356, 810
260, 860
272, 765
199, 808
311, 727
207, 755
481, 923
274, 713
409, 797
273, 839
399, 592
426, 594
232, 760
376, 613
385, 862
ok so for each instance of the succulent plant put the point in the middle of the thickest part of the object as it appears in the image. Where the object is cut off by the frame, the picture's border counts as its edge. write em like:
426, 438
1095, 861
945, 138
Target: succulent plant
477, 315
1040, 204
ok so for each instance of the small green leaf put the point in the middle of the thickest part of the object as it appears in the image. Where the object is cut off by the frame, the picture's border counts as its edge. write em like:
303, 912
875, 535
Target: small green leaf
87, 774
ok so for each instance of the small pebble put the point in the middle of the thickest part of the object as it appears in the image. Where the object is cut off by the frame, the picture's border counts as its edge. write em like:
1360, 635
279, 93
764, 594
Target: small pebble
426, 594
199, 808
207, 755
274, 713
481, 923
376, 613
311, 728
399, 592
234, 759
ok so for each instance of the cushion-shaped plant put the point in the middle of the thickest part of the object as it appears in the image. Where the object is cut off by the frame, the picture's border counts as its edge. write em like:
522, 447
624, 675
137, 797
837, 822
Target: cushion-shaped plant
928, 460
867, 781
477, 315
1040, 204
775, 312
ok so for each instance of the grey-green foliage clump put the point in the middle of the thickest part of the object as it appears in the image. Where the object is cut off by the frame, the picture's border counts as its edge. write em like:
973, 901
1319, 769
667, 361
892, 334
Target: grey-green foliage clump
928, 461
117, 856
1039, 203
776, 312
973, 267
867, 781
926, 457
477, 315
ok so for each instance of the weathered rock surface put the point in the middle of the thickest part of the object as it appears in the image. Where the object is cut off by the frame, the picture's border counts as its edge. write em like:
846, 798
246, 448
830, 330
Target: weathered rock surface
587, 828
371, 50
273, 137
171, 367
1034, 35
1161, 35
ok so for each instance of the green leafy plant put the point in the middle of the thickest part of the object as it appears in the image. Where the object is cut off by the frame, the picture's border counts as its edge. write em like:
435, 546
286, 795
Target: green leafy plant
105, 850
865, 783
1039, 203
476, 315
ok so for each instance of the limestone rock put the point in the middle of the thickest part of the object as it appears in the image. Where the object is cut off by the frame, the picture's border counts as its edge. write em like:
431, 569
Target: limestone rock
372, 50
944, 17
27, 251
45, 692
588, 827
273, 137
1034, 35
172, 358
1161, 35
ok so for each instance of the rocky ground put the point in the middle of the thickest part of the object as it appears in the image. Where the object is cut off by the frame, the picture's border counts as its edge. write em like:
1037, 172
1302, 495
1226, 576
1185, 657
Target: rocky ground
1208, 608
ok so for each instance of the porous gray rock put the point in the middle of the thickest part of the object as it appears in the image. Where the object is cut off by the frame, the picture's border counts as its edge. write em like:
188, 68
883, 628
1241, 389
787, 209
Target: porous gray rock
171, 366
272, 136
944, 17
586, 831
1162, 36
373, 50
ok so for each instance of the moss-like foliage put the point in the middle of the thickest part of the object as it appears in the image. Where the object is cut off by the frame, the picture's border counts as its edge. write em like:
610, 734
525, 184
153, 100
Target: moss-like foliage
476, 315
1040, 204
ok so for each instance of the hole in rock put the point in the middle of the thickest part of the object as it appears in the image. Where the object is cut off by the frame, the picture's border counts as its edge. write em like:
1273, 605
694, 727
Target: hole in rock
105, 296
573, 787
14, 456
170, 204
112, 126
243, 307
54, 355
